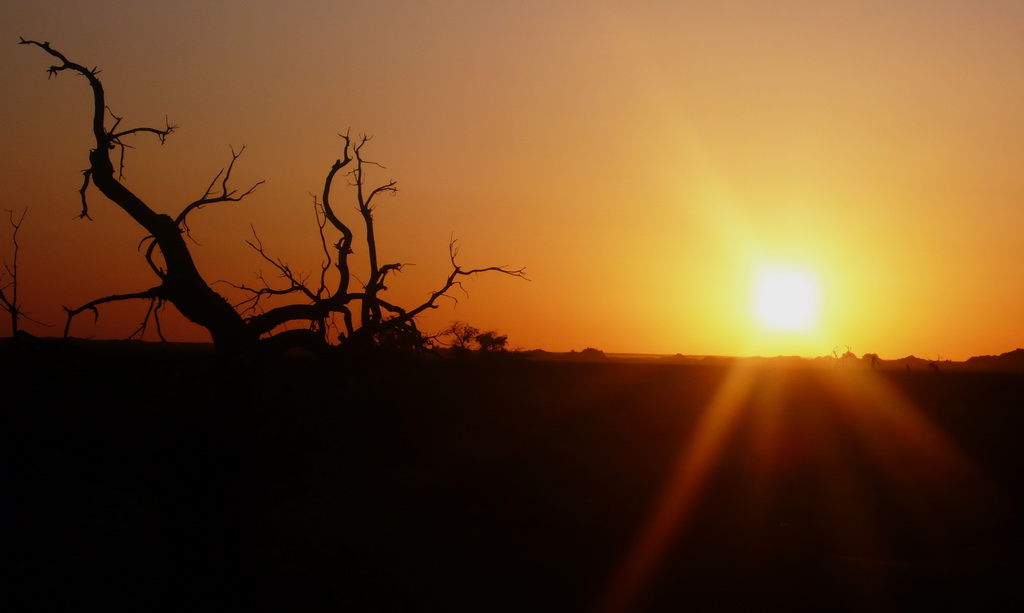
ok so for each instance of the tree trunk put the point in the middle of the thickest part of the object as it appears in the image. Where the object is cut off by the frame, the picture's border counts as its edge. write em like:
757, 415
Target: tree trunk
181, 285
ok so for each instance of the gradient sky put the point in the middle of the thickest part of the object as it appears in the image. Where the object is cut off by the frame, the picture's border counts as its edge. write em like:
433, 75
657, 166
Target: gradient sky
641, 159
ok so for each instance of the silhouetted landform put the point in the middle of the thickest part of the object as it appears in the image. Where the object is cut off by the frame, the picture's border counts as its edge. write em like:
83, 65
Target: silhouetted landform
1012, 361
151, 477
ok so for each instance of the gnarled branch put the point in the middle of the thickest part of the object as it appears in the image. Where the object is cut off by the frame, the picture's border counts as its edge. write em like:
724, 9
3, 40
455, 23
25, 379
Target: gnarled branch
451, 282
210, 197
151, 294
181, 282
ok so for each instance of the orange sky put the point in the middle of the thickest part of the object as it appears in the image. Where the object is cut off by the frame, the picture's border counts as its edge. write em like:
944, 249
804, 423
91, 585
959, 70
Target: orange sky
642, 159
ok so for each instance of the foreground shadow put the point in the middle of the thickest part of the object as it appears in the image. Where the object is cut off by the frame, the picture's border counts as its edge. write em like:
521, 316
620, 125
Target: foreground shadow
174, 482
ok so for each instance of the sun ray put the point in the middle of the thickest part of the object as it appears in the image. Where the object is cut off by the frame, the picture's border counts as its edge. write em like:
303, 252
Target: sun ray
695, 462
849, 432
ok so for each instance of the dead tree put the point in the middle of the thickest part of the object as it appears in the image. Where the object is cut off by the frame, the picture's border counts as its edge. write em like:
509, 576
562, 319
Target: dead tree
9, 276
368, 318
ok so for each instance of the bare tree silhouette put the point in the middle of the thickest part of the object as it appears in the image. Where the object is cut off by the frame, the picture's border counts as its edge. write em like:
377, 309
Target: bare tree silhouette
368, 318
9, 300
459, 335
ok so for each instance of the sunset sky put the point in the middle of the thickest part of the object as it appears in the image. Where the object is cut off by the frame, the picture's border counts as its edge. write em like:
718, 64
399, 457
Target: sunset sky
648, 162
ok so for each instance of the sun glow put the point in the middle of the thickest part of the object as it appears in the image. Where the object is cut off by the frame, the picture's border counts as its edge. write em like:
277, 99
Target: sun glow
786, 300
753, 407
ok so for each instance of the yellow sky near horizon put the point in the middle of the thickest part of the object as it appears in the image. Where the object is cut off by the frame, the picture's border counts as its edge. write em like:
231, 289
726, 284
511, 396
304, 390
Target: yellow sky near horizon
642, 160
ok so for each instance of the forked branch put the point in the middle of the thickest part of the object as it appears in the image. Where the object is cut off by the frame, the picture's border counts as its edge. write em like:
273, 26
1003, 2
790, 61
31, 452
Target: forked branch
211, 196
150, 294
402, 316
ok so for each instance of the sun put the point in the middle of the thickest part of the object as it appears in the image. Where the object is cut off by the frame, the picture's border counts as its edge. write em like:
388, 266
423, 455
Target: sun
786, 300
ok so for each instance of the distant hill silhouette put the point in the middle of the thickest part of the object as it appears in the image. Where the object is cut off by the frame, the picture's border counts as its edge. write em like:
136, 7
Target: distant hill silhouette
1010, 361
912, 362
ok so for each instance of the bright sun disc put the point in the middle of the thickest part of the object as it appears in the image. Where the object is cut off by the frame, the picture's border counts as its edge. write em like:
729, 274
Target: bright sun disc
786, 300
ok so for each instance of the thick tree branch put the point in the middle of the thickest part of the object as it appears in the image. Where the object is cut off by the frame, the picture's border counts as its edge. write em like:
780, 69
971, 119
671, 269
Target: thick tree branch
156, 305
99, 132
343, 247
339, 164
81, 191
384, 270
266, 322
150, 252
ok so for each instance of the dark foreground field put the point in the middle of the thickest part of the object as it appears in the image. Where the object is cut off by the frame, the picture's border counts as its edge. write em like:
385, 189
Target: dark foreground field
146, 481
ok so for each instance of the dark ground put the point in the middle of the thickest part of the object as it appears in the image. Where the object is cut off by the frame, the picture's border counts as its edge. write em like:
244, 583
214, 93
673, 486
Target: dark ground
151, 481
